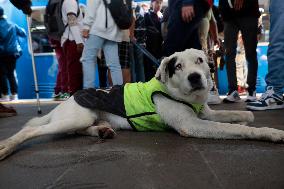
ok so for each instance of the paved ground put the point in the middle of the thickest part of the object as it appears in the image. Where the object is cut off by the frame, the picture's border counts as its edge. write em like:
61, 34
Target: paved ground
142, 160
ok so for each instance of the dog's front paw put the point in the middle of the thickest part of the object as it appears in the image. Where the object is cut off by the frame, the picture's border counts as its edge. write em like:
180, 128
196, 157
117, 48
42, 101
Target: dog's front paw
243, 118
6, 148
249, 117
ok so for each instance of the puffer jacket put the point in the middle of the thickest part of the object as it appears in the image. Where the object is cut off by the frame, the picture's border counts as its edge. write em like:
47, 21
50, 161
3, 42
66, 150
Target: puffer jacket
9, 33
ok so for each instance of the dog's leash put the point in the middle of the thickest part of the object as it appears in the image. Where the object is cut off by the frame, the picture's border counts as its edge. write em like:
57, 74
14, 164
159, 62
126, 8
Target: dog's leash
147, 53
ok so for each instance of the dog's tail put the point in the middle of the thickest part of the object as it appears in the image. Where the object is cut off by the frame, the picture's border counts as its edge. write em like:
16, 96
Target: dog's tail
36, 121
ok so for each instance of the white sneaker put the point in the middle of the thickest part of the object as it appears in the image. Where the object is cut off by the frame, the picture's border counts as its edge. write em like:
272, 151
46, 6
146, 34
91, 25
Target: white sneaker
5, 98
251, 97
232, 97
268, 101
213, 97
14, 97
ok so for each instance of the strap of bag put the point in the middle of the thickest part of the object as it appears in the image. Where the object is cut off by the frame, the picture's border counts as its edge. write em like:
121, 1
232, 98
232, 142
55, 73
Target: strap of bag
106, 6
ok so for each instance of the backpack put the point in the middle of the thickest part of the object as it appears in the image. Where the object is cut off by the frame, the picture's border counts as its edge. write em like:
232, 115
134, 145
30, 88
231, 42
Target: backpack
121, 11
53, 19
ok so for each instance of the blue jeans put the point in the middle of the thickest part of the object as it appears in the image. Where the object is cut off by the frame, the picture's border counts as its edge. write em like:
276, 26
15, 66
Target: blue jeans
89, 60
275, 54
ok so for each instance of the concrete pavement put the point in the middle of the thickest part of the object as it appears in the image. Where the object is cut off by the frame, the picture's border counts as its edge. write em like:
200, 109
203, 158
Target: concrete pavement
142, 160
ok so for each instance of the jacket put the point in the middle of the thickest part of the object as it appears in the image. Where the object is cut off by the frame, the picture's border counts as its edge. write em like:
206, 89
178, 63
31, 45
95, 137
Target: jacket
9, 33
99, 21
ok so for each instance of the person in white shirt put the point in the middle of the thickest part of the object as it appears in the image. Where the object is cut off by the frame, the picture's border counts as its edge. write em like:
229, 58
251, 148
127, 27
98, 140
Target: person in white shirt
101, 33
72, 43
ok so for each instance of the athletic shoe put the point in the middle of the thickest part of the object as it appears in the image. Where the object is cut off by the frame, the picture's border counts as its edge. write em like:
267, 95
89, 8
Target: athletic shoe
213, 97
268, 101
14, 97
232, 97
64, 96
251, 97
56, 97
4, 98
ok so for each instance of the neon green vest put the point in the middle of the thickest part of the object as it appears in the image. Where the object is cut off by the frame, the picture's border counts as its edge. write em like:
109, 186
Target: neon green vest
140, 109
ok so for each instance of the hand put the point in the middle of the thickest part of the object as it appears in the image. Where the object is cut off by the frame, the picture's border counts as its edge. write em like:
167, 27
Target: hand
187, 13
85, 33
80, 47
238, 4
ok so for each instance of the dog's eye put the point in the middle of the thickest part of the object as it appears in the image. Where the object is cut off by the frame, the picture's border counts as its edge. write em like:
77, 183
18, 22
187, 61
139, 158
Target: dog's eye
199, 60
178, 67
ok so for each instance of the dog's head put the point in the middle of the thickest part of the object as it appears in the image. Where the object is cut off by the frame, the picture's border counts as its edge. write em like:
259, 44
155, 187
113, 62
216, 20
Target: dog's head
186, 75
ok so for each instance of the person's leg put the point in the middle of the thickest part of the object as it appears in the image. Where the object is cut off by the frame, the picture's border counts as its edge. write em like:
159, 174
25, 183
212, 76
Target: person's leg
230, 44
74, 67
112, 60
272, 98
11, 67
123, 52
62, 77
4, 72
89, 59
248, 27
275, 54
203, 31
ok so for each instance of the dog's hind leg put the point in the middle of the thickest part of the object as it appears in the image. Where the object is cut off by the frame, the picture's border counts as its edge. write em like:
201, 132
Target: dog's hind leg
62, 126
101, 129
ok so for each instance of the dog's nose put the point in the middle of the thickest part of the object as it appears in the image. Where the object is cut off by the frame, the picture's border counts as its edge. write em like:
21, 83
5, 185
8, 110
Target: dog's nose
195, 80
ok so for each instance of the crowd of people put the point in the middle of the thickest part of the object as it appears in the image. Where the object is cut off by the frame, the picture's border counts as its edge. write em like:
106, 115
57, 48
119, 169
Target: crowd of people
95, 39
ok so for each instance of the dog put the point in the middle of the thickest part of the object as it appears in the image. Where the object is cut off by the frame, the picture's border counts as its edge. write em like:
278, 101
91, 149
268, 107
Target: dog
182, 80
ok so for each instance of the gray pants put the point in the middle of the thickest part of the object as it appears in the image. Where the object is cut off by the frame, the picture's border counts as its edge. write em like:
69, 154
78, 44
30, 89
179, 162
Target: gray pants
248, 28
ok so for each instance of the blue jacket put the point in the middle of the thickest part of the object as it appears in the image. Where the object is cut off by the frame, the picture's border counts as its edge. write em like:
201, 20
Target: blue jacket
9, 33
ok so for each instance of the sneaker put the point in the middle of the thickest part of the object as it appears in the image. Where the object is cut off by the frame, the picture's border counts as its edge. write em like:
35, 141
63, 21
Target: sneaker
7, 111
268, 101
251, 97
56, 97
213, 97
64, 96
14, 97
4, 98
232, 97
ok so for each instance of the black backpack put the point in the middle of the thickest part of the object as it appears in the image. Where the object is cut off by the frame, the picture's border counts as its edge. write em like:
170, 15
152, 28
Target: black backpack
121, 11
53, 19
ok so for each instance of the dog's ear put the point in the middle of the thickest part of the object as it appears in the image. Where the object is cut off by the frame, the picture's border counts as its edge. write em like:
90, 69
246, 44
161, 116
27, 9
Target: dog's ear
163, 70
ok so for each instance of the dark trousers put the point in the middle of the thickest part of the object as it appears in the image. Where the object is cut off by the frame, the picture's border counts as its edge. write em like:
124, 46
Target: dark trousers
181, 35
62, 76
248, 28
7, 69
74, 66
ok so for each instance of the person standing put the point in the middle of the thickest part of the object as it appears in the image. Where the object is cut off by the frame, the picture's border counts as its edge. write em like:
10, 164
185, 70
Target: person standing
154, 37
10, 51
272, 98
101, 32
72, 43
240, 15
